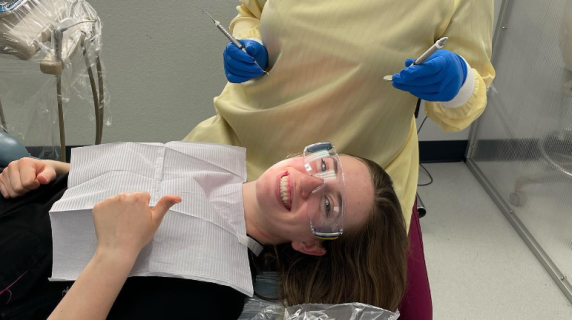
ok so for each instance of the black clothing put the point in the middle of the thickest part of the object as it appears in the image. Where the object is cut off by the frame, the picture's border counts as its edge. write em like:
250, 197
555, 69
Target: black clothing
26, 264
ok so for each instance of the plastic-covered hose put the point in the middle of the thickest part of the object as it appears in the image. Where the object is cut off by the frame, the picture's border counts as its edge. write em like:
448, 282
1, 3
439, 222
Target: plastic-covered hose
3, 119
49, 33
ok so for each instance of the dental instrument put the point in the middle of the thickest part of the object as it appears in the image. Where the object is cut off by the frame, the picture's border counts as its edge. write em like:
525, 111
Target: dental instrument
233, 40
439, 44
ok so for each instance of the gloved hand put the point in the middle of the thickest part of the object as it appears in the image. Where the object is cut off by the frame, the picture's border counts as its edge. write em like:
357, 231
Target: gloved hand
439, 78
239, 66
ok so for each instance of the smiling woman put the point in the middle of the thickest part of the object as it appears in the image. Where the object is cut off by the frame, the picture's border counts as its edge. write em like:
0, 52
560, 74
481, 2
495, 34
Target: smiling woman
366, 263
314, 186
288, 209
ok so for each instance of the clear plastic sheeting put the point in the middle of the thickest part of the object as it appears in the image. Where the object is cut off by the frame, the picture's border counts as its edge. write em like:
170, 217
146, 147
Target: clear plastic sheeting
521, 148
50, 60
265, 285
349, 311
27, 24
263, 310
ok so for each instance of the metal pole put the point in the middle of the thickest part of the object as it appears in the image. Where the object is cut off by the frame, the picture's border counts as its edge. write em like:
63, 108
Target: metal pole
61, 119
3, 119
101, 96
94, 92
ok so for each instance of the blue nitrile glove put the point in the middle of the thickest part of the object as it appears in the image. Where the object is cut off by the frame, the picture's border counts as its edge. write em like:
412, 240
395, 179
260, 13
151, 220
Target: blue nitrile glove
239, 66
439, 78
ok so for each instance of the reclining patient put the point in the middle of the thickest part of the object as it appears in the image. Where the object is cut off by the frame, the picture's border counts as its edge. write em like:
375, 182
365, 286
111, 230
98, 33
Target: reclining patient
330, 225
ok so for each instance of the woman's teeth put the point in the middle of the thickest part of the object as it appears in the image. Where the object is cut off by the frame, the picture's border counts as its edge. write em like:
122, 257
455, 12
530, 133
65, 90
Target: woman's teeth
285, 191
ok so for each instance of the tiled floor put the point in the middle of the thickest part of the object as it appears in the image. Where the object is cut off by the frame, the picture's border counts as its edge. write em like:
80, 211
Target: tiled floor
479, 267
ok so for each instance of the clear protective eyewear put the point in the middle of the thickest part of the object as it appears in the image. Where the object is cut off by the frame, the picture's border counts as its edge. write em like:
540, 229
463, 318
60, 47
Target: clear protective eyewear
326, 202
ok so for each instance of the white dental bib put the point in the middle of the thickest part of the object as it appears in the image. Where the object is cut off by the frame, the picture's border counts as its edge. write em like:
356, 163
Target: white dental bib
202, 238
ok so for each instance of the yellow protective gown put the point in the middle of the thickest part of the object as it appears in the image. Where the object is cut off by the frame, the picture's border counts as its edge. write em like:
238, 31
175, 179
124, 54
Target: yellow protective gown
327, 59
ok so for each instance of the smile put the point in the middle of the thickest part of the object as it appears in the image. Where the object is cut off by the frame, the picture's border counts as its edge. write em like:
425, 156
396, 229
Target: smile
285, 194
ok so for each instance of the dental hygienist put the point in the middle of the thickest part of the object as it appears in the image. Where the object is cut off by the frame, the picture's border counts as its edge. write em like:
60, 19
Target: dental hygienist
326, 61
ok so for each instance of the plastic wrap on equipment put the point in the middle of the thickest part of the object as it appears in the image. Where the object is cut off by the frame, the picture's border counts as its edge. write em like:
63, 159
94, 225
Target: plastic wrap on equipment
265, 285
255, 309
349, 311
50, 61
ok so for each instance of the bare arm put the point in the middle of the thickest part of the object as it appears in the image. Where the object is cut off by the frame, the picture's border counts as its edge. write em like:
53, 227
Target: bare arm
124, 224
95, 290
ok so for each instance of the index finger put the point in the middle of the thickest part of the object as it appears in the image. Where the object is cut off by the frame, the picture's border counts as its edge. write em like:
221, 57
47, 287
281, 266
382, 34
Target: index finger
143, 196
28, 177
239, 55
427, 68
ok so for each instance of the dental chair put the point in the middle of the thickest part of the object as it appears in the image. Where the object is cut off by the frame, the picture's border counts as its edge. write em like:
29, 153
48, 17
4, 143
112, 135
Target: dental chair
416, 304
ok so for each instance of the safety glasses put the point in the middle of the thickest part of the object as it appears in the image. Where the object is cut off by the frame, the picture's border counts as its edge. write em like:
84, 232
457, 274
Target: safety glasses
326, 203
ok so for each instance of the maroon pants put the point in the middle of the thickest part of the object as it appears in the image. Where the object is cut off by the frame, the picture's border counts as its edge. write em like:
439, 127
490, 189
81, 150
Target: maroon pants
416, 304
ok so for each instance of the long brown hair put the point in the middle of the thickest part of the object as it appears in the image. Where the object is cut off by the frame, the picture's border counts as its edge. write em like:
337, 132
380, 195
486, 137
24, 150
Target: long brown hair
367, 265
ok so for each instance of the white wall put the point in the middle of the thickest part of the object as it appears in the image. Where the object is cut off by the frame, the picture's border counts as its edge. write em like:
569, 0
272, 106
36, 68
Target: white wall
164, 66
